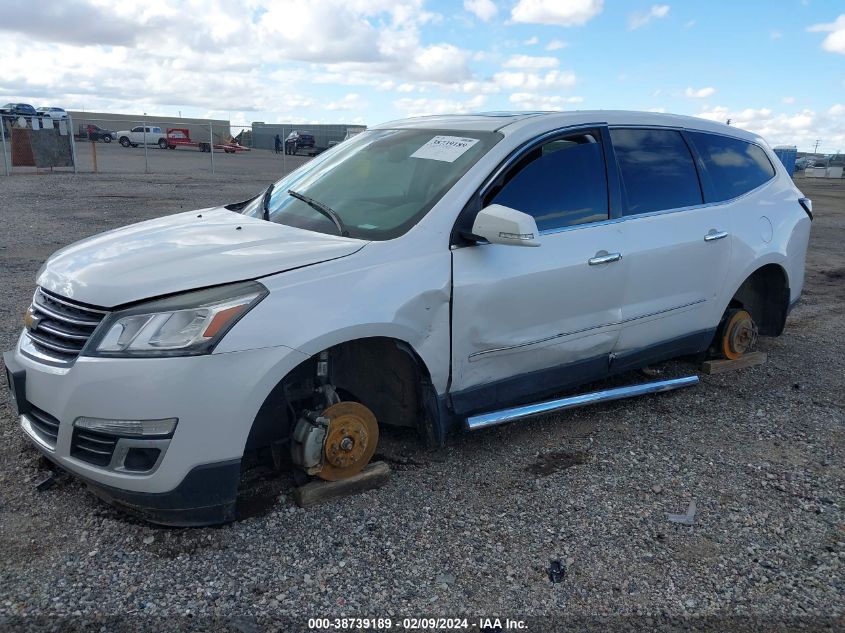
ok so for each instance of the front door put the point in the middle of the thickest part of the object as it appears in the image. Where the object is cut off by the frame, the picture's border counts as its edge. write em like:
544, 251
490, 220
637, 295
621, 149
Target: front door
531, 321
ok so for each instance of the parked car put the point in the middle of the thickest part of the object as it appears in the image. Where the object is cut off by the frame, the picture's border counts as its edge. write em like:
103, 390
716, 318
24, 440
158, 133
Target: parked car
15, 110
96, 133
57, 114
804, 163
296, 141
140, 135
442, 273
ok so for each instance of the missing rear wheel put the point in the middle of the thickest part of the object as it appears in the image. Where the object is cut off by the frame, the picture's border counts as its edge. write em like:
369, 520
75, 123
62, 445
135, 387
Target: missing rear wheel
739, 334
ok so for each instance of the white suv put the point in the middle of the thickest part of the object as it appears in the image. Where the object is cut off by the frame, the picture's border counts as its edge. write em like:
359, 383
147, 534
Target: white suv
141, 135
387, 282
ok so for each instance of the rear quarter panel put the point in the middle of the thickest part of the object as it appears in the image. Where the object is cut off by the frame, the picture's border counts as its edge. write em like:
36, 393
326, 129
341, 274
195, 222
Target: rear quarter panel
769, 227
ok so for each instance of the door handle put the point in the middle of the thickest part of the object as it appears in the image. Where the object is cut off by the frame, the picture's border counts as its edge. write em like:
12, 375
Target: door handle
714, 235
604, 259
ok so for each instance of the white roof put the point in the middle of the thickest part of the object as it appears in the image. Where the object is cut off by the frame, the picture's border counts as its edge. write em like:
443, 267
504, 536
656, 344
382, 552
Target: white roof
512, 122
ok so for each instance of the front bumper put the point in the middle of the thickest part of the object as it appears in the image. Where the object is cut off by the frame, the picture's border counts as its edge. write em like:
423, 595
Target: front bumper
215, 398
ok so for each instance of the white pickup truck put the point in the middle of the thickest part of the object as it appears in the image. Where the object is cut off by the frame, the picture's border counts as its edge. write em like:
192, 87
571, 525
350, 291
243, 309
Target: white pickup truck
142, 135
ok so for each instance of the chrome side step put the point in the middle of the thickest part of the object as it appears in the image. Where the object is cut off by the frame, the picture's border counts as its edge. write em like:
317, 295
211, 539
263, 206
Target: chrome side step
483, 420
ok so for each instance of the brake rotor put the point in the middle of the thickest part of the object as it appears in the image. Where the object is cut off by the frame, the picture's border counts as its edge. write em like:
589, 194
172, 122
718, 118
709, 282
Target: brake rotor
738, 335
351, 440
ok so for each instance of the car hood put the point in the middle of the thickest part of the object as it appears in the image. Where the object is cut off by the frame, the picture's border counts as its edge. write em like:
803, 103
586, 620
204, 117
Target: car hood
183, 252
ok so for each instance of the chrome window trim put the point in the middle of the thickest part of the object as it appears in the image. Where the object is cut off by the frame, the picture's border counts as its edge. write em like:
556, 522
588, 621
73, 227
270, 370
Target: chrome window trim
650, 214
483, 190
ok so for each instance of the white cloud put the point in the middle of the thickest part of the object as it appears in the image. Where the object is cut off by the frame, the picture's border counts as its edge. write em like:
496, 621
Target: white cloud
638, 20
533, 101
775, 35
836, 110
442, 63
139, 55
529, 62
788, 100
779, 128
424, 107
835, 42
700, 93
351, 101
532, 41
556, 45
484, 10
70, 22
554, 79
557, 12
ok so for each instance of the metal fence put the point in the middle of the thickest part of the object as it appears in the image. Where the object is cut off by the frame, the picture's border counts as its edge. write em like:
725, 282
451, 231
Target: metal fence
39, 141
105, 146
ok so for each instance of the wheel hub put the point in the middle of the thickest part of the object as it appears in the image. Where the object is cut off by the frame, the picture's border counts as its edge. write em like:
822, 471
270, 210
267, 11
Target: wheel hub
740, 335
351, 440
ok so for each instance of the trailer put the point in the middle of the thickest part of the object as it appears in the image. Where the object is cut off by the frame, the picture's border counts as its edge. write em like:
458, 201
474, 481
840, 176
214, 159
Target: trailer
181, 137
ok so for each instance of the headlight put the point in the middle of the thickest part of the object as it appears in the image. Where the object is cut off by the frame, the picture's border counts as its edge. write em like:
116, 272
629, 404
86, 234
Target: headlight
182, 325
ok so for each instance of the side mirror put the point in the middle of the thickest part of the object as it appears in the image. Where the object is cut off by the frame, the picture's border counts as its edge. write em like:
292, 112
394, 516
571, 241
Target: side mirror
502, 225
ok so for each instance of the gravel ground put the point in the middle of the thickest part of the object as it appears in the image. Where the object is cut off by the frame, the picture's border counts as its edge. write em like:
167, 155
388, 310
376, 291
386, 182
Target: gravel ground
469, 530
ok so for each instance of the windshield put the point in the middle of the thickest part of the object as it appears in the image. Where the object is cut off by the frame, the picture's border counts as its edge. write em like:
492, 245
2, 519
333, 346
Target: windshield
380, 183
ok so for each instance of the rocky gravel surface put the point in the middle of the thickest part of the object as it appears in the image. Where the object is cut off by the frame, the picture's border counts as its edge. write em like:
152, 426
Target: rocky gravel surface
469, 530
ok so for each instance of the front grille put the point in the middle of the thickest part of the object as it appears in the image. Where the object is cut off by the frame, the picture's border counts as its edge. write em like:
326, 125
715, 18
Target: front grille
92, 447
59, 327
44, 425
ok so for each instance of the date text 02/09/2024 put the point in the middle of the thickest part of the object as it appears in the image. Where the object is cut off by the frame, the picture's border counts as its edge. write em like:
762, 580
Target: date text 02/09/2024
385, 624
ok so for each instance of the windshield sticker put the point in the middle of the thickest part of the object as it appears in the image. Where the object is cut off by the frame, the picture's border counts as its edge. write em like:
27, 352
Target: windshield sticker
445, 148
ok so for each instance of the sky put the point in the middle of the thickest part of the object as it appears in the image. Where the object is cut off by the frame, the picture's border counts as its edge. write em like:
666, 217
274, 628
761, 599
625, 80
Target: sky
776, 67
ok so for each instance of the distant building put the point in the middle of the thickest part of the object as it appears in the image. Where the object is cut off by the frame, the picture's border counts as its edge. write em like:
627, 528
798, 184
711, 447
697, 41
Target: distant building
263, 134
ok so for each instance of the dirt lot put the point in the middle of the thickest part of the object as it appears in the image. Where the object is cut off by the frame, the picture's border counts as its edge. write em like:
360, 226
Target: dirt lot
470, 530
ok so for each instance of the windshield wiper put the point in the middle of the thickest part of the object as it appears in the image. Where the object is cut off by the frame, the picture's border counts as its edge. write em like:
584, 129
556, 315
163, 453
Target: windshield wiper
326, 210
265, 202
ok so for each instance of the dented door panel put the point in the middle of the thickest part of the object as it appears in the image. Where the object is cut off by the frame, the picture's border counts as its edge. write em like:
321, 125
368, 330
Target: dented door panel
518, 310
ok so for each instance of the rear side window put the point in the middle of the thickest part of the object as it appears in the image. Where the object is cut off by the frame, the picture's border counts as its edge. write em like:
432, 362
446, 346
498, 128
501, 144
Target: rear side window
561, 183
657, 170
734, 167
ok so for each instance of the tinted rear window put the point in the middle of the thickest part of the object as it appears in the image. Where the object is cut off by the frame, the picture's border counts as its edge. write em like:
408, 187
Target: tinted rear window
657, 170
734, 167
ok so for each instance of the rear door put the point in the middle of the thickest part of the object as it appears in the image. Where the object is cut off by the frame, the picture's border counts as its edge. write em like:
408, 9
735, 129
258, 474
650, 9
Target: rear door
676, 248
532, 320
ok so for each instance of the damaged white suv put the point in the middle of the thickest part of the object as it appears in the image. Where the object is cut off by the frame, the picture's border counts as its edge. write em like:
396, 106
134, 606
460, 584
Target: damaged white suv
387, 282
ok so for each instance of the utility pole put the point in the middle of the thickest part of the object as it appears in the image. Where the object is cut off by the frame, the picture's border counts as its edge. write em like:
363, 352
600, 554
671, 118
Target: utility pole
816, 148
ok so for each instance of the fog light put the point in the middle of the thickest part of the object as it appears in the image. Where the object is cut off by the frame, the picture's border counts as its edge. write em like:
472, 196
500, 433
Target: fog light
128, 428
141, 459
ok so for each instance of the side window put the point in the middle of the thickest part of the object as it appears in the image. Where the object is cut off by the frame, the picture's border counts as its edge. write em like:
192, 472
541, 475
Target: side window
137, 129
561, 183
734, 166
657, 170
